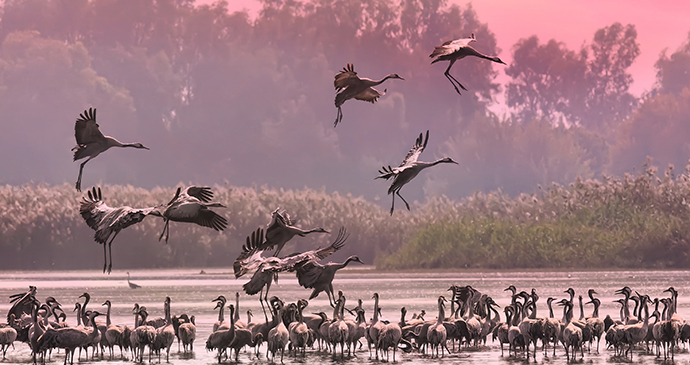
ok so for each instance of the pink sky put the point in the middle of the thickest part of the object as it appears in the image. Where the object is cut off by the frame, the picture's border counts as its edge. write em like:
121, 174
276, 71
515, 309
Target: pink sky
660, 25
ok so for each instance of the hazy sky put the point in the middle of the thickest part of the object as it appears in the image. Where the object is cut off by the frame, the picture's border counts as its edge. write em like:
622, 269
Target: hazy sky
660, 25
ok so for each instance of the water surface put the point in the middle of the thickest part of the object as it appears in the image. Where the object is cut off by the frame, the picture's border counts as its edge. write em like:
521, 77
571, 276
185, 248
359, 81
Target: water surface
191, 291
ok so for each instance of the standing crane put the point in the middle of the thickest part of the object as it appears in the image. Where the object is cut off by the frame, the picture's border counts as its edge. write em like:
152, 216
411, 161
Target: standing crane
408, 169
131, 284
192, 205
348, 85
455, 50
91, 142
107, 221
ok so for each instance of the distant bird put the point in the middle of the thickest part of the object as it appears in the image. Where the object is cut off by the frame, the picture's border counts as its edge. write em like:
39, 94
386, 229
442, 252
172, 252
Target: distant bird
91, 142
313, 275
455, 50
348, 85
131, 284
267, 269
408, 169
192, 205
107, 221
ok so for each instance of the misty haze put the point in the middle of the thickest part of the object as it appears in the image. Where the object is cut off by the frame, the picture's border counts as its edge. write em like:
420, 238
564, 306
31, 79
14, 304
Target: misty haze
246, 106
362, 151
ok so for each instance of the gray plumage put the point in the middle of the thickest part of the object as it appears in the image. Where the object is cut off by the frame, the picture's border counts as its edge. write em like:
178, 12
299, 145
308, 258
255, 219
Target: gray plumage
113, 334
142, 335
348, 86
268, 268
165, 336
91, 142
278, 232
108, 221
313, 275
187, 334
131, 284
409, 168
192, 205
277, 340
7, 337
455, 50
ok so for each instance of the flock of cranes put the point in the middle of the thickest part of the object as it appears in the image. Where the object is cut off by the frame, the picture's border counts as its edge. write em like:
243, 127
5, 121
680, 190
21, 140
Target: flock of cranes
467, 322
194, 204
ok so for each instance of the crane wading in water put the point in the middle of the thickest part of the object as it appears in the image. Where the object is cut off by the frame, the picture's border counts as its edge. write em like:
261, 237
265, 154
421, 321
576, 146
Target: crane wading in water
455, 50
408, 169
91, 142
348, 85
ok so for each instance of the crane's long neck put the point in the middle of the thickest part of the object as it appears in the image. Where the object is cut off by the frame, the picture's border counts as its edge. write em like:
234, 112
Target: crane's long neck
300, 308
441, 313
313, 230
382, 80
548, 304
596, 303
340, 266
336, 310
452, 300
533, 313
376, 309
221, 315
674, 302
342, 309
87, 298
168, 320
107, 315
237, 307
582, 311
232, 319
53, 309
566, 317
78, 310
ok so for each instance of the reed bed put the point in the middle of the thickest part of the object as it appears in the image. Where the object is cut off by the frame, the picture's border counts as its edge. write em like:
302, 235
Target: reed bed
633, 221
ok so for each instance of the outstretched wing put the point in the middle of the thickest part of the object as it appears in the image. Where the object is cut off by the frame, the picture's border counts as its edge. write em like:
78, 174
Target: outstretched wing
416, 150
86, 129
370, 94
210, 219
308, 273
346, 77
250, 258
23, 304
202, 193
106, 220
339, 242
291, 262
450, 47
386, 172
93, 209
279, 218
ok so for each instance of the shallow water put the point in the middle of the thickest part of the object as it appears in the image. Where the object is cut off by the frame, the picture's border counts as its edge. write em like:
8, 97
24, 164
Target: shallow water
191, 292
